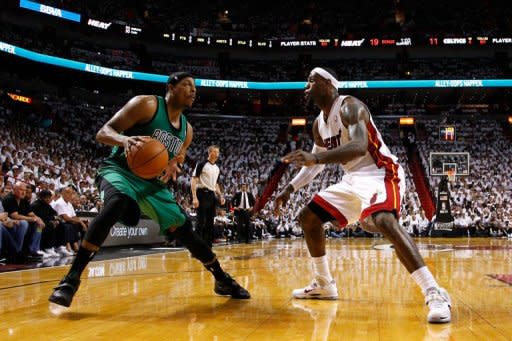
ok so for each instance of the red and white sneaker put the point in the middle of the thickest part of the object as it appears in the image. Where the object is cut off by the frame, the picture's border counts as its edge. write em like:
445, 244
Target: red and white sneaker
316, 290
440, 305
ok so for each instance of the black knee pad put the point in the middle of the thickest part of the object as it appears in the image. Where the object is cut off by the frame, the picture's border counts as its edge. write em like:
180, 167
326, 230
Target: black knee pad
100, 226
191, 240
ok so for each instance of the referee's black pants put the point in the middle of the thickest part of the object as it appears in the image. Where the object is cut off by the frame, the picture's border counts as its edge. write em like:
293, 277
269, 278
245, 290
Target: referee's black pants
206, 214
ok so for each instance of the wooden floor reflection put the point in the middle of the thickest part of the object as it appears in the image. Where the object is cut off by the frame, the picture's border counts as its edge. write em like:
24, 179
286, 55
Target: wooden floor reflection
170, 296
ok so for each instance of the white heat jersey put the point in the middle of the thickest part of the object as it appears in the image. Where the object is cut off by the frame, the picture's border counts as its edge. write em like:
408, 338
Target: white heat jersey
372, 183
335, 134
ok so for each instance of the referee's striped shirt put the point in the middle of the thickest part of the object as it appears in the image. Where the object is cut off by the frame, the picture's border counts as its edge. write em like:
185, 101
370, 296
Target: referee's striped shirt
208, 174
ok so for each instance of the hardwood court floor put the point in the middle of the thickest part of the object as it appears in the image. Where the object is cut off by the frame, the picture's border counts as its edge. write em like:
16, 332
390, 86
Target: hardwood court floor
170, 296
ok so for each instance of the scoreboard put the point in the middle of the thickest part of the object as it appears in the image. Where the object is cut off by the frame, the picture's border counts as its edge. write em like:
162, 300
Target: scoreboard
477, 40
211, 39
338, 42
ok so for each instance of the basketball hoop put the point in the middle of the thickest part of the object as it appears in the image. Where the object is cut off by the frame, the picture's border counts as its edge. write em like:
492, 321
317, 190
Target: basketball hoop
451, 175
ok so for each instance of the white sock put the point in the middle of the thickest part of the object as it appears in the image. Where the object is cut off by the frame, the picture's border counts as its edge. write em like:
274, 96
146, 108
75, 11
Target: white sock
423, 277
322, 269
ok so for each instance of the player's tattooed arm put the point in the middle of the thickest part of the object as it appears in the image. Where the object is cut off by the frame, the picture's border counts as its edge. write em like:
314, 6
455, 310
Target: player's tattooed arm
354, 115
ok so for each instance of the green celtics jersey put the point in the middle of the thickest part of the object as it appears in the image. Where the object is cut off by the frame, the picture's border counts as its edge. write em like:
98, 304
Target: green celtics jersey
159, 128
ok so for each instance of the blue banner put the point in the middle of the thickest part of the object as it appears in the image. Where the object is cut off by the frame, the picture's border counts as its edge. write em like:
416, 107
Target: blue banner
56, 12
232, 84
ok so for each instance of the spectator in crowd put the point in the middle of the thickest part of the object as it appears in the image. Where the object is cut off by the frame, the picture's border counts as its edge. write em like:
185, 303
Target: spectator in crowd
424, 224
30, 194
412, 224
12, 234
19, 210
243, 203
283, 230
5, 159
97, 207
260, 228
462, 222
14, 175
73, 226
224, 225
52, 236
7, 189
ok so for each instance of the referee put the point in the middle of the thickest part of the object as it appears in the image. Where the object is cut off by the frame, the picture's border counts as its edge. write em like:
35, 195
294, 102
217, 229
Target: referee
204, 187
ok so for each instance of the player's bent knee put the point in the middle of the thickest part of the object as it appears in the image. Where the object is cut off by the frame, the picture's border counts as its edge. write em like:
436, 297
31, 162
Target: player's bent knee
368, 224
384, 220
89, 246
197, 247
182, 220
184, 228
100, 226
303, 216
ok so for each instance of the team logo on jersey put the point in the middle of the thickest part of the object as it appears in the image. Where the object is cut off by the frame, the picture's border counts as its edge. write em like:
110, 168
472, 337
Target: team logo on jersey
333, 141
376, 196
171, 142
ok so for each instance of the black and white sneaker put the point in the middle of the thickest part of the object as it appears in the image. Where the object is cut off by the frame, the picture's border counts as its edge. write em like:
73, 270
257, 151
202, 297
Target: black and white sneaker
316, 290
440, 305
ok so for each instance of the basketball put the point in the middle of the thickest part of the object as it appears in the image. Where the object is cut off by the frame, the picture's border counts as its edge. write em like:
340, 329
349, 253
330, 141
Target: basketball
147, 160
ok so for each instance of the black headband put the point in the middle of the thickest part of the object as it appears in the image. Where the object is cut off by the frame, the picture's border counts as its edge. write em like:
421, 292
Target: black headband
176, 77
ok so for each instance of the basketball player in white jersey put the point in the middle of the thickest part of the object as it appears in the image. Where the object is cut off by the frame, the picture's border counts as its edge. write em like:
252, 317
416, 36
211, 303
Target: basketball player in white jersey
370, 191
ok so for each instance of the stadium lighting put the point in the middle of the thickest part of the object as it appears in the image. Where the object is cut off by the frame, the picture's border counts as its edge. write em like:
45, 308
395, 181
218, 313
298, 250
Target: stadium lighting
298, 122
406, 121
20, 98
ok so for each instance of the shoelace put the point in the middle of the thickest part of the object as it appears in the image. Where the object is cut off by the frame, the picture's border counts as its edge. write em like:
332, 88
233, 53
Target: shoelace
314, 284
435, 300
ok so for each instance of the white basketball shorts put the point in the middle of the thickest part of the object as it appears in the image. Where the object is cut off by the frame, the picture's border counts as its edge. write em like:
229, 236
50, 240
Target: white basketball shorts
361, 193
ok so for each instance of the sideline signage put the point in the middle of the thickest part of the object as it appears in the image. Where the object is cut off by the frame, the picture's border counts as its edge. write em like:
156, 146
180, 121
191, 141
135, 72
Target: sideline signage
146, 232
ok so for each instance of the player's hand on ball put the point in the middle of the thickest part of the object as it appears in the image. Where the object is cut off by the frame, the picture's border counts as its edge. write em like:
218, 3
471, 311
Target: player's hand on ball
300, 158
171, 171
195, 203
131, 141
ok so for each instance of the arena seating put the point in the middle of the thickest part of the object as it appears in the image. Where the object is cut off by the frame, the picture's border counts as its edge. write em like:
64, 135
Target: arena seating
250, 150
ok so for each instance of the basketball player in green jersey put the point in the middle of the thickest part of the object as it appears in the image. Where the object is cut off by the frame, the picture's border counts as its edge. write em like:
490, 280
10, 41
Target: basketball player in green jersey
125, 195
